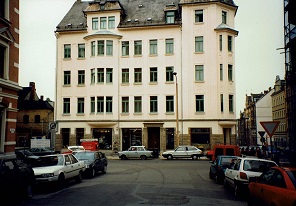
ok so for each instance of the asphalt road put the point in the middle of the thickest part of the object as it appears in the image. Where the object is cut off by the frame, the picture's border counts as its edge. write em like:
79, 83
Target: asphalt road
142, 182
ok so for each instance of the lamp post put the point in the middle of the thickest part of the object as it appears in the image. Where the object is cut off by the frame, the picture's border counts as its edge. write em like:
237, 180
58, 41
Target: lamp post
177, 111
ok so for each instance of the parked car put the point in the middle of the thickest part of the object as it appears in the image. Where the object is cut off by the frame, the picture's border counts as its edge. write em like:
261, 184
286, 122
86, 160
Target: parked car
218, 167
94, 161
136, 152
277, 186
27, 156
16, 180
244, 168
58, 168
41, 151
222, 149
75, 149
183, 152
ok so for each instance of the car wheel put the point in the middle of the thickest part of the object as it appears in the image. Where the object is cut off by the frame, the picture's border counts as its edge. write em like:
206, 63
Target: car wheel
61, 181
78, 178
105, 169
210, 175
169, 157
194, 157
123, 157
236, 190
93, 172
225, 183
143, 157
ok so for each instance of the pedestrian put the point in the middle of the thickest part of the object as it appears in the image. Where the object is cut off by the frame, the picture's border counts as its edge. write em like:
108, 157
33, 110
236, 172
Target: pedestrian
258, 152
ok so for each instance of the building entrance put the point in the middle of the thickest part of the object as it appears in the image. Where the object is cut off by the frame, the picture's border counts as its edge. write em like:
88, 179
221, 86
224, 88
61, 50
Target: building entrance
104, 136
153, 137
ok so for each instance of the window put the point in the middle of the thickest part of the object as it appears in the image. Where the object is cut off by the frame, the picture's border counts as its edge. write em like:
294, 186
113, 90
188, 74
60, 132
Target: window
220, 42
100, 75
67, 77
93, 48
199, 103
200, 135
153, 104
26, 119
153, 46
169, 74
92, 104
108, 104
125, 75
230, 103
221, 72
169, 103
230, 43
138, 104
224, 17
67, 51
101, 47
198, 16
221, 103
100, 104
81, 77
125, 104
138, 75
80, 105
111, 22
95, 22
92, 76
230, 72
199, 44
125, 48
66, 106
170, 17
4, 61
153, 74
199, 73
103, 23
81, 50
169, 46
138, 47
2, 9
109, 75
109, 47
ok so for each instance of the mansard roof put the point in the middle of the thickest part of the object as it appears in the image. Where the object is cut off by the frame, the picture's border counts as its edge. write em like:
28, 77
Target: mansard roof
134, 13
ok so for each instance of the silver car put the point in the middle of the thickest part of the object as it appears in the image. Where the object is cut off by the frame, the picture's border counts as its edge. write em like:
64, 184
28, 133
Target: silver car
185, 151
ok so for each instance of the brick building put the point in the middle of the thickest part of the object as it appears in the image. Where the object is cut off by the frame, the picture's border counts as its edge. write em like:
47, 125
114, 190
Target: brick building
9, 70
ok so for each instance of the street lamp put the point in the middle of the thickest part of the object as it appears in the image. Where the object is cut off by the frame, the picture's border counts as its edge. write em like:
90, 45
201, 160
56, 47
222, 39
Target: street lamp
177, 110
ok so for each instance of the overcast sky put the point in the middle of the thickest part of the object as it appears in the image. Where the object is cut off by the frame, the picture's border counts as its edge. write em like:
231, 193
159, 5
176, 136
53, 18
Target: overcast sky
257, 62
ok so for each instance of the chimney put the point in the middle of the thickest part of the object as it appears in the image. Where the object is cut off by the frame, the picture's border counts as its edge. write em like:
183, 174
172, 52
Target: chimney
33, 90
41, 98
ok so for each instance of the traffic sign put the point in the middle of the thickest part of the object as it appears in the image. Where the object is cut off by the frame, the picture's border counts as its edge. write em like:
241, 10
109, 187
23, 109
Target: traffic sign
270, 127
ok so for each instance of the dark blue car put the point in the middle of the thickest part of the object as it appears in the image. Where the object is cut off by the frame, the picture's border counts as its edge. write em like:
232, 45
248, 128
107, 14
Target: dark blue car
219, 166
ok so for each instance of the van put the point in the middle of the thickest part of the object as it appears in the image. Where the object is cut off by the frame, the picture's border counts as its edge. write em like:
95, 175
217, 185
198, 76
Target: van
231, 150
90, 144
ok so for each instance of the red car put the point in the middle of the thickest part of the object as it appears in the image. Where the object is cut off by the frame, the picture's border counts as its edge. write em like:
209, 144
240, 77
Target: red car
277, 186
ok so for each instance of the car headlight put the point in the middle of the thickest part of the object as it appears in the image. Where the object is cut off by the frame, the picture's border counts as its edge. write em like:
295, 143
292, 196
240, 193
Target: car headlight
47, 175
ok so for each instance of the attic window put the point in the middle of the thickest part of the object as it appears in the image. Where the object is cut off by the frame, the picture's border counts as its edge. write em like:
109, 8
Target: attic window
149, 19
136, 20
129, 20
170, 17
141, 5
102, 6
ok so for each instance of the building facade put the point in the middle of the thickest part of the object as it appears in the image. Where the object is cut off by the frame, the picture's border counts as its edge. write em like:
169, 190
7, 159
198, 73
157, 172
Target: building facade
34, 118
9, 70
153, 73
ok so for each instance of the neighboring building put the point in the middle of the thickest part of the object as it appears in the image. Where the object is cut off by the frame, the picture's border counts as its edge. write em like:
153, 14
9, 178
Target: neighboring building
119, 63
290, 62
34, 117
279, 112
9, 71
263, 114
249, 117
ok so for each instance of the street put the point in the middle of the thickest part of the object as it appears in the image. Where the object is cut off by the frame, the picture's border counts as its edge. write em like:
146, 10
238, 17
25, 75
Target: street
143, 182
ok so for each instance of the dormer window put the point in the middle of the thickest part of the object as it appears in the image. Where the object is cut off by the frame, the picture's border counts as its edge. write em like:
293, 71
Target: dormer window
102, 6
224, 17
170, 17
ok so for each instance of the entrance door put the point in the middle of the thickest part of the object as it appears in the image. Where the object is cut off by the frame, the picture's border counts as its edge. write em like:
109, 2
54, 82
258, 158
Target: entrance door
153, 137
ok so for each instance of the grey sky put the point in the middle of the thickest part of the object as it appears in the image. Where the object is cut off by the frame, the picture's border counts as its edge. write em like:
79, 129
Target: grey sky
257, 62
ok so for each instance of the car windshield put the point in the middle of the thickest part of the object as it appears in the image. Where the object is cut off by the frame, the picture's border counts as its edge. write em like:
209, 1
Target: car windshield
49, 161
292, 175
257, 165
84, 155
226, 160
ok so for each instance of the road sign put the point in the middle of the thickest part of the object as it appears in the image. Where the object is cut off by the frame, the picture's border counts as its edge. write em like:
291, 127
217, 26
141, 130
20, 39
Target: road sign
270, 127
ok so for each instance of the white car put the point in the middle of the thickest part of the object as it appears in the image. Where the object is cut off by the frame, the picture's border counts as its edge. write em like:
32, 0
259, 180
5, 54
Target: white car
135, 152
183, 152
58, 168
244, 168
